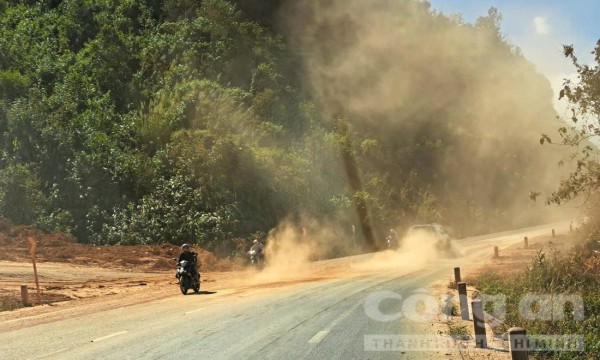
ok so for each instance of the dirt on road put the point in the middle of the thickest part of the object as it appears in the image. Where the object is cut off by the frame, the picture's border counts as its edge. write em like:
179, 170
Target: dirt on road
76, 278
71, 271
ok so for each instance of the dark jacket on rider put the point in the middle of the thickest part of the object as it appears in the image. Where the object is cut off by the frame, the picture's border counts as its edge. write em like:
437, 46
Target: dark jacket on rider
190, 257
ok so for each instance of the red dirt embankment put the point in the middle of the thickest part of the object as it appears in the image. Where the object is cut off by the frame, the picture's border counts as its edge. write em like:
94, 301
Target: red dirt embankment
61, 248
69, 271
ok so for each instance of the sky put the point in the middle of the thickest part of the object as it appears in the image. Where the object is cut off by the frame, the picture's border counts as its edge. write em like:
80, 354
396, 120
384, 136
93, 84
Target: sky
540, 28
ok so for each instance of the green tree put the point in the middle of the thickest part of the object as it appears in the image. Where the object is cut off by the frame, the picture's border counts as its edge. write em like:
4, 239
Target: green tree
21, 198
583, 131
179, 120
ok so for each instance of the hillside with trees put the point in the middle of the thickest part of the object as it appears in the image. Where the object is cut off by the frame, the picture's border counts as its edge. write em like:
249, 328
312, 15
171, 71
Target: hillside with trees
153, 121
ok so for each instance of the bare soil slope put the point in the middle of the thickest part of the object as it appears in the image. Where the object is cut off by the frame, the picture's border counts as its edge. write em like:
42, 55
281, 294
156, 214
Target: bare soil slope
68, 270
102, 277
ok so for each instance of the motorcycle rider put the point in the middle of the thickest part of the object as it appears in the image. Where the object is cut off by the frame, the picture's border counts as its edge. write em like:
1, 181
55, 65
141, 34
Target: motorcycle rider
258, 247
191, 257
392, 239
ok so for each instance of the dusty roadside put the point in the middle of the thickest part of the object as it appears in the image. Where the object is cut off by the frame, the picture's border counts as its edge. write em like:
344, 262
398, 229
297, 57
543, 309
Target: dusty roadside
96, 289
76, 279
511, 260
72, 288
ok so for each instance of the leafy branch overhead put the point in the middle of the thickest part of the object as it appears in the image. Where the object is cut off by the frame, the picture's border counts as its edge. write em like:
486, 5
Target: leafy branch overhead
583, 135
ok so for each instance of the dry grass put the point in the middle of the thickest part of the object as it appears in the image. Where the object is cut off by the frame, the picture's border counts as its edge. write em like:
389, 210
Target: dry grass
572, 272
9, 302
458, 331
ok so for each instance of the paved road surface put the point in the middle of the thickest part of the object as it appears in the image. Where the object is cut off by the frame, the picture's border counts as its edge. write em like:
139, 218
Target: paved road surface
327, 319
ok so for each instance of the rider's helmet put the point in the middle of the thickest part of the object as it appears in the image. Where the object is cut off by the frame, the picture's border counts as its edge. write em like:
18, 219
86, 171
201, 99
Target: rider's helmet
185, 247
255, 241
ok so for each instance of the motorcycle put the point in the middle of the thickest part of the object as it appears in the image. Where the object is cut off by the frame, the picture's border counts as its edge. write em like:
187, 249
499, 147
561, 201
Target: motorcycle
256, 259
391, 242
186, 278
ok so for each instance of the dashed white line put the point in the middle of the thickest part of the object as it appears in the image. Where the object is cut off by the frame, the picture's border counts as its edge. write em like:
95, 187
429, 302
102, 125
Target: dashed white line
193, 311
54, 353
321, 334
343, 316
318, 337
109, 336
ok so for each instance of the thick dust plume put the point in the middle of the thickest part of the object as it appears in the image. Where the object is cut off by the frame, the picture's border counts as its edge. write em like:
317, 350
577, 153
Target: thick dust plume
415, 251
290, 248
419, 81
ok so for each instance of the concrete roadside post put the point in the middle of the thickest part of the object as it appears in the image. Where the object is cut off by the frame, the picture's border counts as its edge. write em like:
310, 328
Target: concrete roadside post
517, 342
479, 324
25, 295
464, 303
526, 242
456, 276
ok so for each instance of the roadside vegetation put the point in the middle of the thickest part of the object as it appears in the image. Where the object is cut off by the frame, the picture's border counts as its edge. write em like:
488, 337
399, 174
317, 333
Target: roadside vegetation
145, 122
577, 272
9, 302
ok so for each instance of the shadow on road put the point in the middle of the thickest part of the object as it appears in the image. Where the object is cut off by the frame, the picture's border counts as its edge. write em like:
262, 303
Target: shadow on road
204, 293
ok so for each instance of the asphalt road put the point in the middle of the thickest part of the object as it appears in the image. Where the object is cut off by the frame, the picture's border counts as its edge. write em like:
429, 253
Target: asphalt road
371, 316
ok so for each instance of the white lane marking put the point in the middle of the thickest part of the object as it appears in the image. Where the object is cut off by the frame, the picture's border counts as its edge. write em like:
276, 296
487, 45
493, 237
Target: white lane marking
109, 336
53, 353
193, 311
318, 337
343, 316
321, 334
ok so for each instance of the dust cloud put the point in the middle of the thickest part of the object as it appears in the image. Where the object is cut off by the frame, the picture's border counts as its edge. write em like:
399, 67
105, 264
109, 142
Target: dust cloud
377, 59
414, 252
290, 249
398, 69
291, 252
457, 113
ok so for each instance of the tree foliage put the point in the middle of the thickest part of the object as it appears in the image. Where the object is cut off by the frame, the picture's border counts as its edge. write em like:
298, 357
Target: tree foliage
128, 122
583, 129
